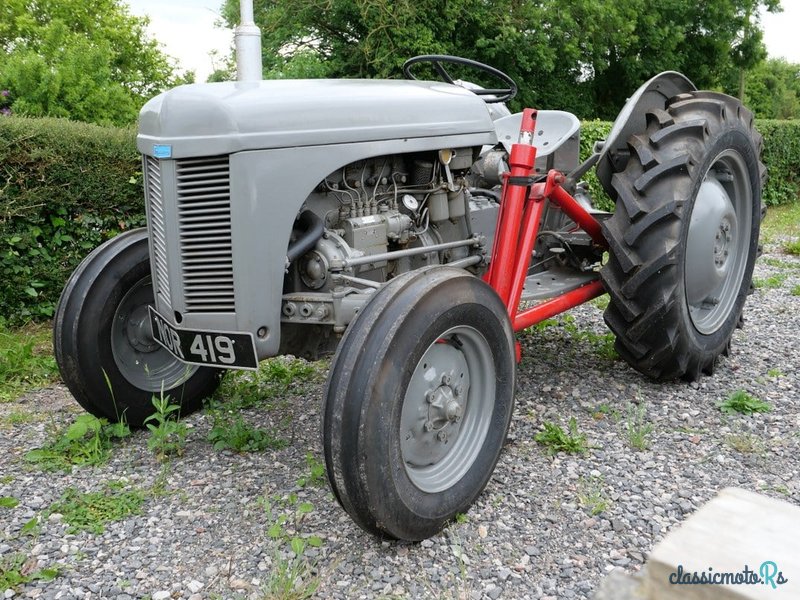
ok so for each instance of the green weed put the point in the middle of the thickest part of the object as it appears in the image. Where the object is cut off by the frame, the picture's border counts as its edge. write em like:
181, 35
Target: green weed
770, 283
555, 439
26, 360
93, 510
17, 569
292, 576
637, 429
795, 291
743, 403
601, 302
274, 378
775, 372
235, 434
746, 443
167, 433
21, 417
8, 502
606, 410
777, 262
792, 247
316, 473
591, 495
87, 441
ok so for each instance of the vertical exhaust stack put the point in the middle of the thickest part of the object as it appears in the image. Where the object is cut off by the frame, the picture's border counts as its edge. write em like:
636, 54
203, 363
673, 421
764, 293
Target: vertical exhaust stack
248, 44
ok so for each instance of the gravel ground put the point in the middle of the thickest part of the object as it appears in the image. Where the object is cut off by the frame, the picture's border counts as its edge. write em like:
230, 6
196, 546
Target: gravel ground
203, 529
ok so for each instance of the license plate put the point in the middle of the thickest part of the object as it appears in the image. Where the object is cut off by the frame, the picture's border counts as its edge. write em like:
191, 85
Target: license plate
207, 348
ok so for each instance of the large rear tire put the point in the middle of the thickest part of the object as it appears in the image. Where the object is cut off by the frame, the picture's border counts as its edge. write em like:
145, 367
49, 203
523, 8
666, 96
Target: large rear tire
684, 237
418, 402
104, 345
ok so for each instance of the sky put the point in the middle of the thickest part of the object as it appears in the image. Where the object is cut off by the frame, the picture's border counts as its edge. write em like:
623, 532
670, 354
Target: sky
186, 30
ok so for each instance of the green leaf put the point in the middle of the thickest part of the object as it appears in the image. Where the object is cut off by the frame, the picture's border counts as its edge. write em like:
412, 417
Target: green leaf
304, 508
46, 574
275, 531
298, 546
314, 541
31, 292
30, 525
8, 502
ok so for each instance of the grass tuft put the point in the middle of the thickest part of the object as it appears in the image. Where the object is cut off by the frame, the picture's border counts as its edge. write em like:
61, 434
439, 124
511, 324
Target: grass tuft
26, 359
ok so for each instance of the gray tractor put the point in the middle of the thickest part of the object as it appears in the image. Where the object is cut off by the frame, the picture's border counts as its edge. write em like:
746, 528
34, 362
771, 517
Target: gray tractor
411, 227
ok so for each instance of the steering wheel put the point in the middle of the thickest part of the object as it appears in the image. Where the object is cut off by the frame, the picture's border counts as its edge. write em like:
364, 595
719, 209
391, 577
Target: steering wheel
500, 94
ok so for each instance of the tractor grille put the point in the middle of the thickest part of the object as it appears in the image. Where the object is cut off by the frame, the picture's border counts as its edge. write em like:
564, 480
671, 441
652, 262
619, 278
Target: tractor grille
155, 200
204, 221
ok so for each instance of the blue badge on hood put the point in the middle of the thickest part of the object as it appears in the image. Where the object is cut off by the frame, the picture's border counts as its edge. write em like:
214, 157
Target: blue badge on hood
162, 151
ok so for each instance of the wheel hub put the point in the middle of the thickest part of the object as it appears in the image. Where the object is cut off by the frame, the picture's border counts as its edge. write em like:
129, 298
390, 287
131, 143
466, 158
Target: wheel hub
444, 407
139, 330
139, 358
717, 242
432, 427
722, 242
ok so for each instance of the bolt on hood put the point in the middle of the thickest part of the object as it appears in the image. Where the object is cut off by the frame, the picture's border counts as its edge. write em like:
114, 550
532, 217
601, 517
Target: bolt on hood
221, 118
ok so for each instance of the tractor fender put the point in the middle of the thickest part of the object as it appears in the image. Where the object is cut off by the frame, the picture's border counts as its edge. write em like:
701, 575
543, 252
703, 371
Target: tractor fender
653, 94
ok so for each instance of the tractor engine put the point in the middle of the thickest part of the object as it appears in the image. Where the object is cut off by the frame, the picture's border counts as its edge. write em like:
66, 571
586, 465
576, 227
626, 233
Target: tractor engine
373, 220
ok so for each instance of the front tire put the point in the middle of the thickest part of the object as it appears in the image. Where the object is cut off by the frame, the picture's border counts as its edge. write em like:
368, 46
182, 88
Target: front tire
103, 343
684, 237
418, 402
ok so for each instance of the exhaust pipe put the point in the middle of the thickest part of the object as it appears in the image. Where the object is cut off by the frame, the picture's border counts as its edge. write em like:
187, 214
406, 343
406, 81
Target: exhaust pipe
247, 38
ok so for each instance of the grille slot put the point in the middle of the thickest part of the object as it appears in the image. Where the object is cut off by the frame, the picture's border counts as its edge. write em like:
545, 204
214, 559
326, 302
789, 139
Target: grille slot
155, 200
204, 217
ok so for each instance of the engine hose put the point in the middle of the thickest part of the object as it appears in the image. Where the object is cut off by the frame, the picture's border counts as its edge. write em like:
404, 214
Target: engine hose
313, 228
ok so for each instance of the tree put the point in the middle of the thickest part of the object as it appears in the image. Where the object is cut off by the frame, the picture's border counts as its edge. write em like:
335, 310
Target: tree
773, 90
89, 61
581, 55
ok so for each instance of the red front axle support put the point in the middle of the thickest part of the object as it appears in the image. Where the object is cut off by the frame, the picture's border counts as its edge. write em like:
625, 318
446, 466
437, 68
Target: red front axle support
522, 205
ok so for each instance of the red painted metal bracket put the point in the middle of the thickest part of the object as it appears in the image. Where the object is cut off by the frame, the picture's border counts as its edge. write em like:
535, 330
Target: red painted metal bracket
522, 205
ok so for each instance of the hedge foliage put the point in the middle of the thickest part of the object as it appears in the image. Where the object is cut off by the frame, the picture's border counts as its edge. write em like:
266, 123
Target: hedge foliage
66, 187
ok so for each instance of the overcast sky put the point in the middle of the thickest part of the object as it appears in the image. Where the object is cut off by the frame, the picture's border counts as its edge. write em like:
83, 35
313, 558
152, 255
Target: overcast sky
186, 30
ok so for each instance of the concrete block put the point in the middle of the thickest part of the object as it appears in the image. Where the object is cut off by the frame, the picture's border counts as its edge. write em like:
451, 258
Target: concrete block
736, 530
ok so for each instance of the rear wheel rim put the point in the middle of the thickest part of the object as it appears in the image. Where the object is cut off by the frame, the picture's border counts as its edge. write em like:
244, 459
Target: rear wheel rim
447, 409
718, 242
140, 359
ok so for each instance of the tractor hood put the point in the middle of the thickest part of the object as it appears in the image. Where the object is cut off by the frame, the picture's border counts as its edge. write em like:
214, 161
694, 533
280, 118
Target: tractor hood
222, 118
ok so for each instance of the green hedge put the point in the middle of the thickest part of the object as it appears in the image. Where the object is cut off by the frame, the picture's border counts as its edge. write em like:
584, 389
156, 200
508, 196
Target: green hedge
66, 187
781, 154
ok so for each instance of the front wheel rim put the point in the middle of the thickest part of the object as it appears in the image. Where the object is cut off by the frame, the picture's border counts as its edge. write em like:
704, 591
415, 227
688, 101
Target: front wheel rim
718, 242
138, 357
447, 409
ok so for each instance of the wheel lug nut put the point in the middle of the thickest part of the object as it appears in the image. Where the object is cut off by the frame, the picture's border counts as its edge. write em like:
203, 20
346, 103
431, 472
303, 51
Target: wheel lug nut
442, 436
445, 379
429, 396
428, 426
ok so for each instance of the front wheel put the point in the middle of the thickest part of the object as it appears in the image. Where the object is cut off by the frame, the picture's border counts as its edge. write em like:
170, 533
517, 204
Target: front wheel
418, 402
103, 343
684, 237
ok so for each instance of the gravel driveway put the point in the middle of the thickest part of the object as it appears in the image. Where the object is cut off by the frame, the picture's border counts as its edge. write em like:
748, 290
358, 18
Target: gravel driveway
205, 524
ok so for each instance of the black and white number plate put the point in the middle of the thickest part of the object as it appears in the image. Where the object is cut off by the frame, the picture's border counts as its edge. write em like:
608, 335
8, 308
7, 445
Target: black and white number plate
208, 348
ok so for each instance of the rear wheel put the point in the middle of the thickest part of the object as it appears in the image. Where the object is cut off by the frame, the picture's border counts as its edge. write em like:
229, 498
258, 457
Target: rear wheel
418, 402
684, 237
104, 346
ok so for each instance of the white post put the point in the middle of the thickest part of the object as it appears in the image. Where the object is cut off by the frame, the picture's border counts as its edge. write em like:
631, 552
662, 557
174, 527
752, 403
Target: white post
248, 44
